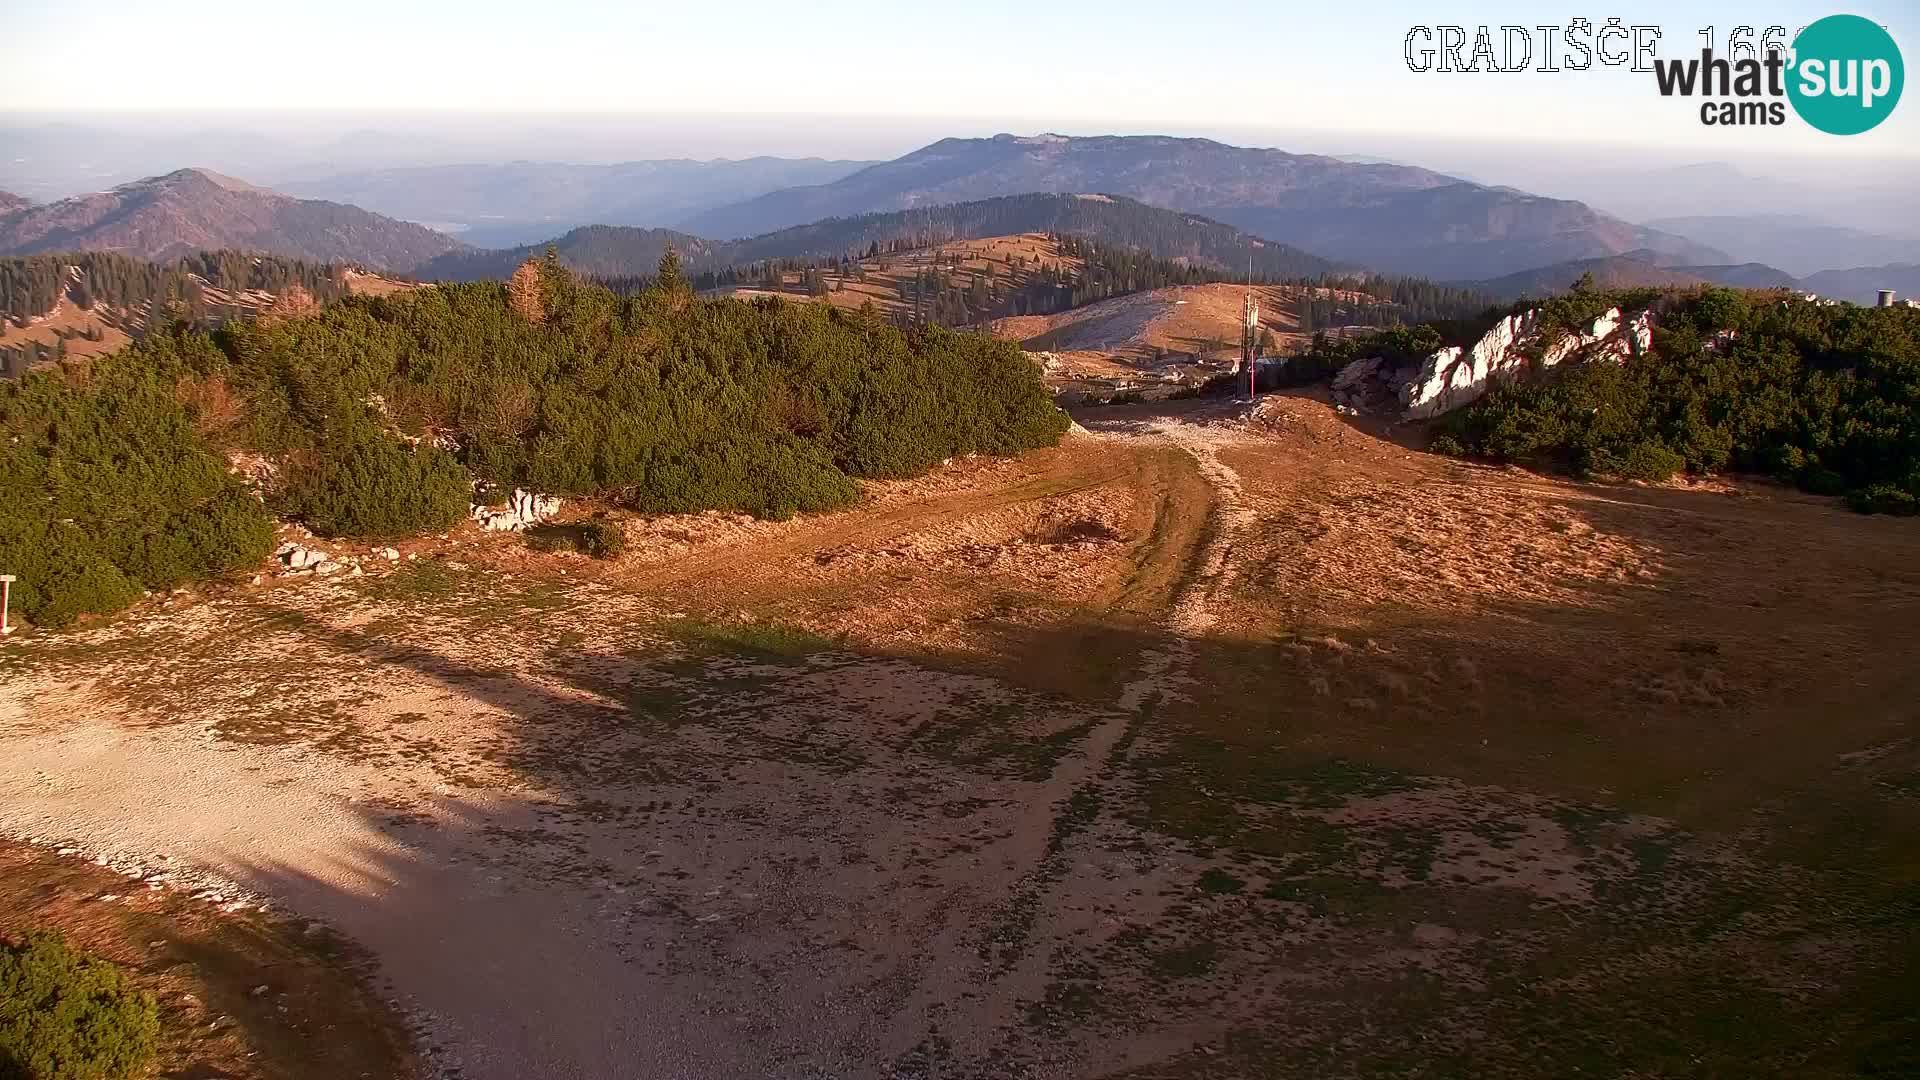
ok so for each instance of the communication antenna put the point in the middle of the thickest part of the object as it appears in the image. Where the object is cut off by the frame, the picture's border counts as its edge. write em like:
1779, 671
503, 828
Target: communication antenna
1250, 332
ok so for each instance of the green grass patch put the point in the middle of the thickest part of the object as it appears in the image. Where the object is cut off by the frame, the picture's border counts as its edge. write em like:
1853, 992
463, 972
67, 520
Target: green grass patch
416, 582
1188, 961
1220, 883
766, 637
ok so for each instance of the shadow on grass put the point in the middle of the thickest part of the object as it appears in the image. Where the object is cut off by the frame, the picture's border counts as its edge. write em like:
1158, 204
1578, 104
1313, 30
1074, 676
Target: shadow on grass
1658, 832
745, 827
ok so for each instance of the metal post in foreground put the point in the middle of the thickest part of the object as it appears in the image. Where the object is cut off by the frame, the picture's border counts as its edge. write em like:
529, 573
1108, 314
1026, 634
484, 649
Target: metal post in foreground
6, 590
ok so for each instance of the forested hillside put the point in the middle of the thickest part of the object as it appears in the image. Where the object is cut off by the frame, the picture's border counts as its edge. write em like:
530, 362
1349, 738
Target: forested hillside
969, 282
1114, 221
964, 282
30, 285
602, 251
382, 412
53, 307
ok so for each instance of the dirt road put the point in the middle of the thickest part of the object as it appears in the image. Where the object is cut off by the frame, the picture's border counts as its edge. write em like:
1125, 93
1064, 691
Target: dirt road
1209, 744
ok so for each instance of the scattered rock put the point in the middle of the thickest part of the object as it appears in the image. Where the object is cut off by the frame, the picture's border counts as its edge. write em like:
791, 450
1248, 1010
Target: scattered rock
295, 557
523, 509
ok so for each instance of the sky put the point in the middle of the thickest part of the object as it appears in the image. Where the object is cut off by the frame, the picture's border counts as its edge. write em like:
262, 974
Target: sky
855, 67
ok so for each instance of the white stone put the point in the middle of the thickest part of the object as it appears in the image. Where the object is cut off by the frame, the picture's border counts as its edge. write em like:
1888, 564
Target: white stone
1455, 377
295, 557
1357, 372
523, 509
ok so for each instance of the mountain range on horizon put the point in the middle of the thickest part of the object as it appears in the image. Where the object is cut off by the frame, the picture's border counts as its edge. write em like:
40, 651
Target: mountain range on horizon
1297, 215
1634, 269
1393, 218
199, 210
614, 251
519, 202
1795, 243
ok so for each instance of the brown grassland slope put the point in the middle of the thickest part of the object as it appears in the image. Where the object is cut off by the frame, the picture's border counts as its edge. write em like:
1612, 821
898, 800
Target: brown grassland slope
104, 328
1210, 743
1200, 321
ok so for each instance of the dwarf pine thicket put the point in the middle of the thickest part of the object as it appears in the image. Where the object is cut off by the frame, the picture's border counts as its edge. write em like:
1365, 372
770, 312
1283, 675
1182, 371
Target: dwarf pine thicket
381, 412
1826, 396
67, 1014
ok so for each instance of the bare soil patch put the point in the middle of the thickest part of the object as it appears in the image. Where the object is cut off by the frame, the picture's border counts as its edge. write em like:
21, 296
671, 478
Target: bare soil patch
1214, 742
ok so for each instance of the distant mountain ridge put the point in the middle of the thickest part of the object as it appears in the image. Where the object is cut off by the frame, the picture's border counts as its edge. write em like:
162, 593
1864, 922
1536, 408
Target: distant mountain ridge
9, 202
1862, 285
163, 217
1167, 234
1393, 218
595, 250
1799, 245
528, 200
1111, 219
1634, 269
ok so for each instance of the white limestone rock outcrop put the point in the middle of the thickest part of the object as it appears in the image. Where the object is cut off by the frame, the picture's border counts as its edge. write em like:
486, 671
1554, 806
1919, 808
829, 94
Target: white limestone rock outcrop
525, 508
1454, 377
1512, 350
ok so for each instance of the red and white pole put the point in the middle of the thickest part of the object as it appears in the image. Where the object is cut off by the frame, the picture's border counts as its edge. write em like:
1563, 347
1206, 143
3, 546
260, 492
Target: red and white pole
6, 590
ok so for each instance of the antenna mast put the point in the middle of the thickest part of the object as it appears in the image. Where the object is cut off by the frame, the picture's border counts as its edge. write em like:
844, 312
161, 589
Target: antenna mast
1250, 332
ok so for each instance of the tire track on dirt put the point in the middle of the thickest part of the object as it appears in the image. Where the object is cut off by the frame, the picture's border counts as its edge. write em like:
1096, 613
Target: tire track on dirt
1014, 972
1210, 567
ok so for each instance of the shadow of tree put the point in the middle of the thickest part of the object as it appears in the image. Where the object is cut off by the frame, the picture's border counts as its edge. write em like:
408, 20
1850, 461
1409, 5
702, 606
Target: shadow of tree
852, 863
1509, 838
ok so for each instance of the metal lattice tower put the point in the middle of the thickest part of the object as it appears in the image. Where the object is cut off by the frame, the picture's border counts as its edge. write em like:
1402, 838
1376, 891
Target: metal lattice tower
1250, 338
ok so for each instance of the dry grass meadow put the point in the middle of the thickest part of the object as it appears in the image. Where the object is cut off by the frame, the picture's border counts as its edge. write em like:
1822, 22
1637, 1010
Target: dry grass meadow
1213, 743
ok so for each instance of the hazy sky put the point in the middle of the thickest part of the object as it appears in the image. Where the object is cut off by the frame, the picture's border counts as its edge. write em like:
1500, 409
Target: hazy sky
1205, 66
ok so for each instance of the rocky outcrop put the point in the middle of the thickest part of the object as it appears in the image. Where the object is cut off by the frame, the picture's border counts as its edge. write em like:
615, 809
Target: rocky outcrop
523, 509
1367, 386
1517, 347
295, 557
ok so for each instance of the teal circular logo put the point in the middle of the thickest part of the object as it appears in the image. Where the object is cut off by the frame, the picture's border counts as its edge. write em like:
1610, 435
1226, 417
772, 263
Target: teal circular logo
1846, 75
